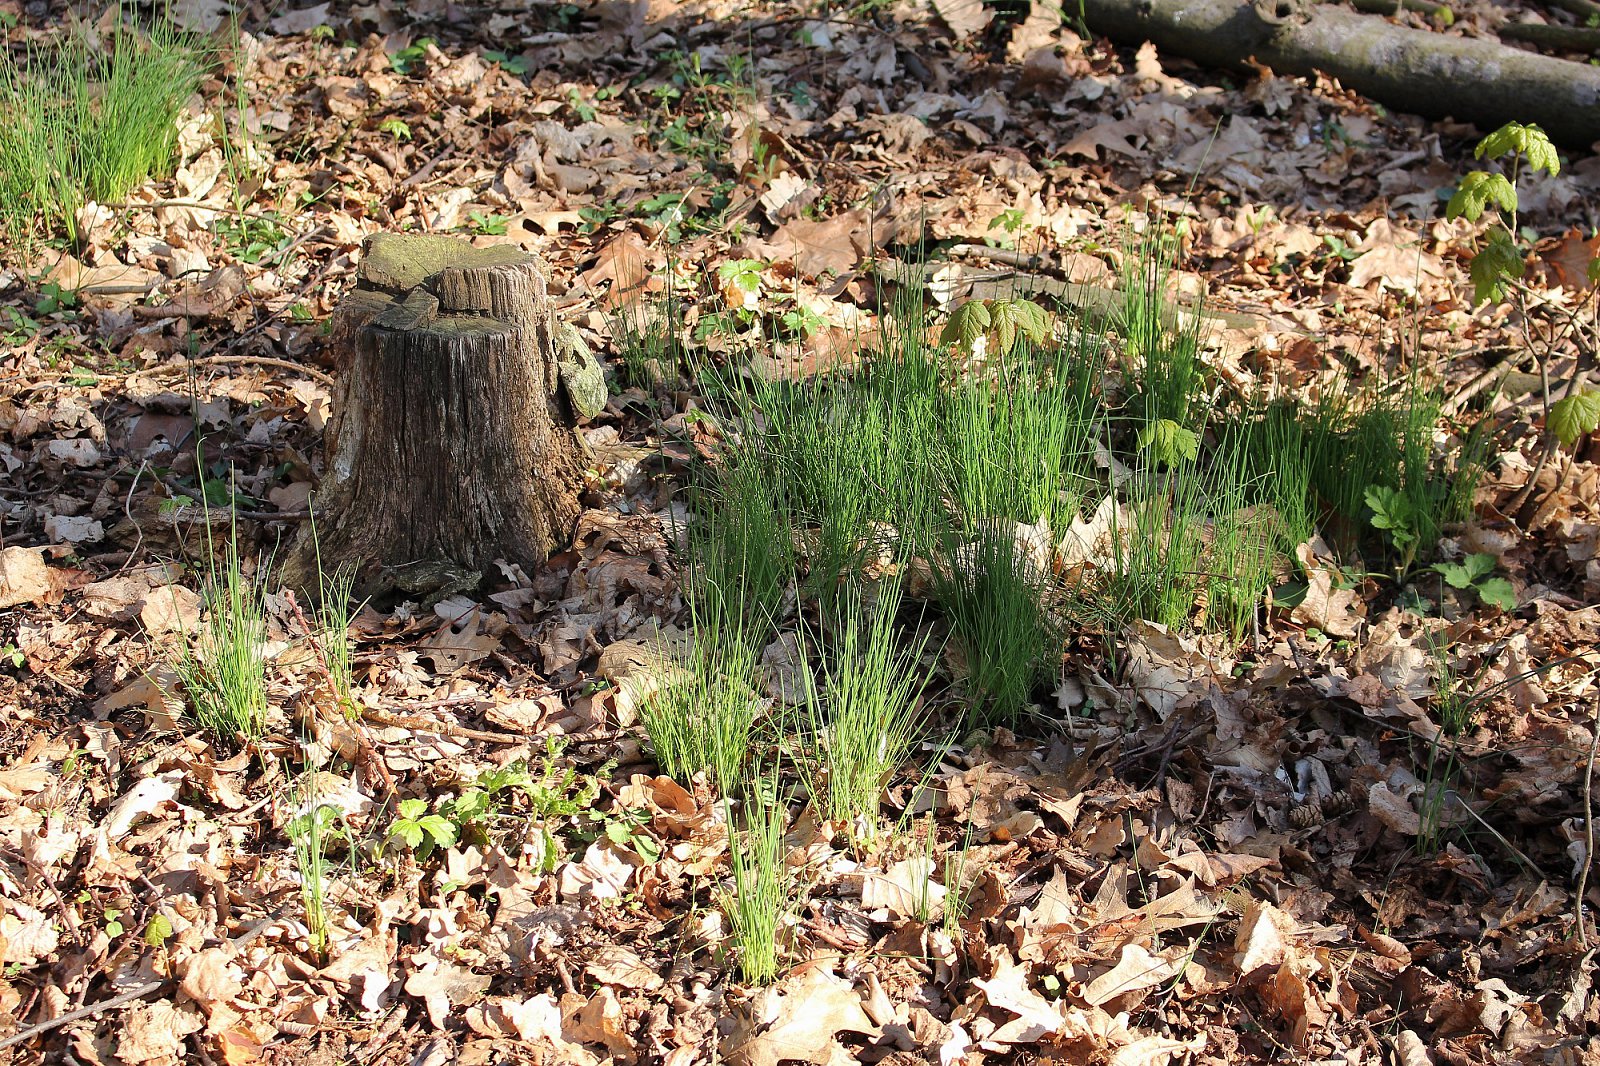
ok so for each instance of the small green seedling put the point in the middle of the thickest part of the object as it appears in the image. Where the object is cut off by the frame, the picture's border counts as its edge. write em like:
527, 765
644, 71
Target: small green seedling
1474, 572
420, 830
397, 128
1168, 442
978, 326
1500, 261
405, 60
488, 222
1395, 514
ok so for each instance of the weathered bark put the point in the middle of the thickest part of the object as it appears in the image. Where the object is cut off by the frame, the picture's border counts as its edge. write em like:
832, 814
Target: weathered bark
1405, 69
450, 445
1555, 38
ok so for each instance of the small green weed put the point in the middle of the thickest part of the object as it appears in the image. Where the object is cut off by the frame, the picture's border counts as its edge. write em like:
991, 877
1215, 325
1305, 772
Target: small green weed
1476, 572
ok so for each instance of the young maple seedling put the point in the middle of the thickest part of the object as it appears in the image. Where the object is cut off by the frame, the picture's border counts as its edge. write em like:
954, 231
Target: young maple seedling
1498, 266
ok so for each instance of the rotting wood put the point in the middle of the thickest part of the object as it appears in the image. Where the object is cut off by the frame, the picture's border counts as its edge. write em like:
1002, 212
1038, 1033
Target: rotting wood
452, 441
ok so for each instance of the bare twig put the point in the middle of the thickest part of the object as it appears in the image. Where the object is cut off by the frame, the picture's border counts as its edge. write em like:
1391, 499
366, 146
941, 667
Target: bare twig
82, 1012
229, 360
1588, 829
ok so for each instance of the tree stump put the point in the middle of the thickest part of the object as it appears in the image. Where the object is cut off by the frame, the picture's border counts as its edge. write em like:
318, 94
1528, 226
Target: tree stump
452, 441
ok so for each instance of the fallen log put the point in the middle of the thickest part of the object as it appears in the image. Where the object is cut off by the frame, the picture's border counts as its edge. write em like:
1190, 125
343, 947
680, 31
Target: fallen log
1554, 38
1429, 74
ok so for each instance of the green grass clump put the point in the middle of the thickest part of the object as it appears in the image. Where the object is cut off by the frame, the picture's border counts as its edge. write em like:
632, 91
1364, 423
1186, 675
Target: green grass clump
331, 638
763, 894
702, 717
863, 709
81, 123
1384, 485
1161, 347
224, 669
1005, 640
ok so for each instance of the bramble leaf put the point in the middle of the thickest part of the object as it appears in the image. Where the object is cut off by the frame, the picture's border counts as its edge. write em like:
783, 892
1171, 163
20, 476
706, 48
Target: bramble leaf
1530, 141
1594, 271
1496, 262
1477, 191
1575, 415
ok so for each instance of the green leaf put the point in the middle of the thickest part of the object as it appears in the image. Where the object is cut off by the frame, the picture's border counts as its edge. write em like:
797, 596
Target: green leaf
1169, 442
1477, 191
1008, 318
1469, 571
1575, 415
1392, 511
440, 828
1530, 141
158, 930
412, 809
967, 323
1496, 262
1497, 592
1594, 271
409, 833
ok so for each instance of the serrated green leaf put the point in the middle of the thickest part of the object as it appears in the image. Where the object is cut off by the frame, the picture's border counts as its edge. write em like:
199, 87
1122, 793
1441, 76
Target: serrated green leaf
1477, 190
1392, 511
1479, 565
1008, 318
1530, 141
1168, 441
409, 833
1497, 592
441, 829
413, 809
1575, 416
1496, 262
1455, 575
967, 323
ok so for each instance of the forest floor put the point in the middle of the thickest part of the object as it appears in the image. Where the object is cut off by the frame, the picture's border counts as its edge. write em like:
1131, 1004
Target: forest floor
1196, 849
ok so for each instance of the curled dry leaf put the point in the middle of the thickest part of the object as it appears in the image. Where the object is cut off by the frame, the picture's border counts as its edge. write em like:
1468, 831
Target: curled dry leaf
799, 1019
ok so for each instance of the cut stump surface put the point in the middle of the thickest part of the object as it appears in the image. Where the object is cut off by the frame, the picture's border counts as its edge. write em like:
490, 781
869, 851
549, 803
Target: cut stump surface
452, 440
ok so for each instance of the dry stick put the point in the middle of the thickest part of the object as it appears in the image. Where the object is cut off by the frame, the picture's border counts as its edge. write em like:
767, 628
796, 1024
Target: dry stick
1588, 828
82, 1012
248, 360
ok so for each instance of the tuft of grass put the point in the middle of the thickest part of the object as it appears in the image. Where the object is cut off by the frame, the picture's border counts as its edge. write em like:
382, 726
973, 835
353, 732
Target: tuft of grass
1375, 466
1019, 442
224, 669
1161, 346
702, 718
864, 715
1006, 639
763, 894
335, 608
309, 830
84, 122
